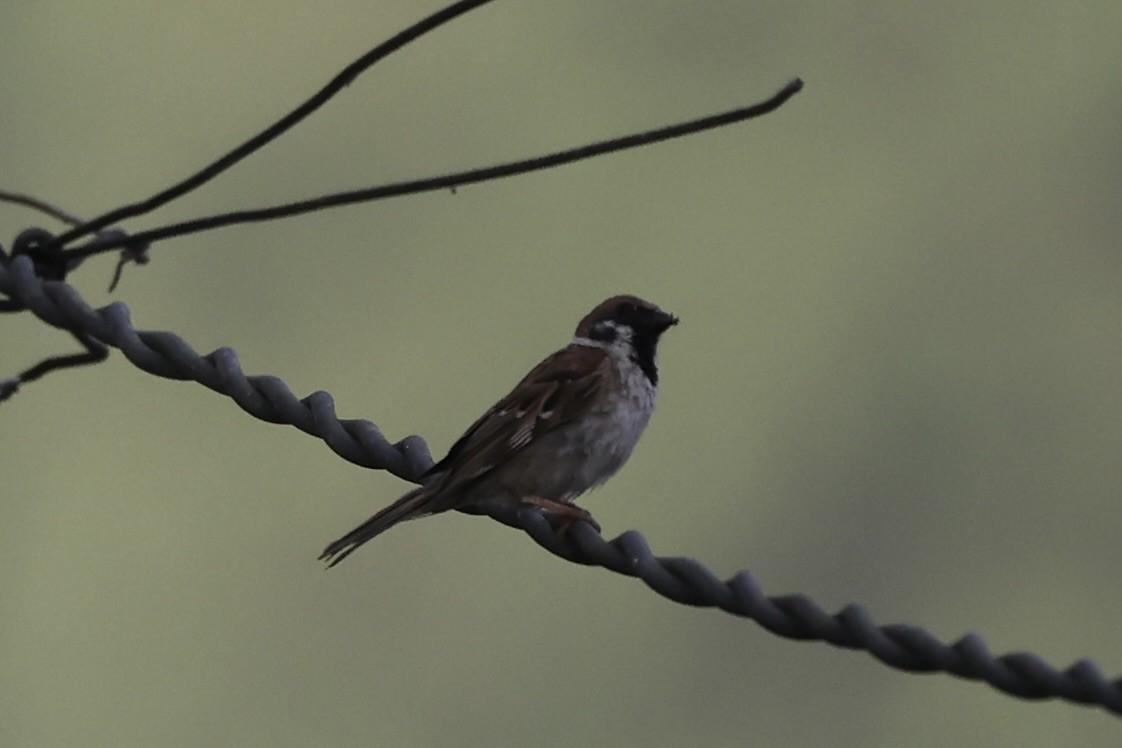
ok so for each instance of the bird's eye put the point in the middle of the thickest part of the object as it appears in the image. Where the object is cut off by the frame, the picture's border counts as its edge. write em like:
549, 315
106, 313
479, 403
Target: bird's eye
626, 309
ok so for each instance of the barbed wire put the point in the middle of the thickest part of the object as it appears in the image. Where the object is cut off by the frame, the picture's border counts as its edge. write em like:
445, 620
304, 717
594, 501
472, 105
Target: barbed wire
683, 580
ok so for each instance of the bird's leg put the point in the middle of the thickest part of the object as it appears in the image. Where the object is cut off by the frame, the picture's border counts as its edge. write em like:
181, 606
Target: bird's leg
570, 512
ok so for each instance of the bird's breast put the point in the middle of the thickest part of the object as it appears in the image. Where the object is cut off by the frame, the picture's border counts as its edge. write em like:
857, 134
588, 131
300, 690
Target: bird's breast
595, 447
569, 460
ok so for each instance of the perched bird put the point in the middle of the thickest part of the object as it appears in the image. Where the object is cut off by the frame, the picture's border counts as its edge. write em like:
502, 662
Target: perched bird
567, 427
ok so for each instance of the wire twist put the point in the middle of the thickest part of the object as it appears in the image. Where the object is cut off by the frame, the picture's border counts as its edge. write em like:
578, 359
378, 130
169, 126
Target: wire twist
682, 580
167, 355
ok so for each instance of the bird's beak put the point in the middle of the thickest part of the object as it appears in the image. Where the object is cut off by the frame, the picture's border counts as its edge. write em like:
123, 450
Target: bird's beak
665, 321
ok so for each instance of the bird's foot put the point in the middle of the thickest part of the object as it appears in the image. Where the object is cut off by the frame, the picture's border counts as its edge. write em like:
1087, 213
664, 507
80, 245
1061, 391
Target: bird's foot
567, 513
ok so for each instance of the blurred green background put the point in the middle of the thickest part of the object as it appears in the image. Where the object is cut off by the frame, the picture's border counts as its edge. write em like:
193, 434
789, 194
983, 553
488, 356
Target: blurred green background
896, 381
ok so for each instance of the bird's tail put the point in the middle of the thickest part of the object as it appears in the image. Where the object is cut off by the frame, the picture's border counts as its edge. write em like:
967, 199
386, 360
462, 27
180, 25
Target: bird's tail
409, 506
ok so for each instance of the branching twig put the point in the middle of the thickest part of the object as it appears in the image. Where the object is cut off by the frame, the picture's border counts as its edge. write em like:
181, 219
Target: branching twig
95, 353
278, 128
453, 180
53, 260
42, 206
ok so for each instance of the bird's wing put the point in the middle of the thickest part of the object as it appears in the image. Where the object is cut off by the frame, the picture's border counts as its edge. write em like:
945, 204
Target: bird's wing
557, 391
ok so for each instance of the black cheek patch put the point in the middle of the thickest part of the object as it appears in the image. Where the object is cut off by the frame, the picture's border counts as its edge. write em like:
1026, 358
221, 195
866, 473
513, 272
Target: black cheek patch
602, 332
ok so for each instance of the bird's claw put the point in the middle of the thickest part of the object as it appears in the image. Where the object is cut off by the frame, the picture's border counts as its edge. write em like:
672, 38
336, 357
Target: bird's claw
567, 513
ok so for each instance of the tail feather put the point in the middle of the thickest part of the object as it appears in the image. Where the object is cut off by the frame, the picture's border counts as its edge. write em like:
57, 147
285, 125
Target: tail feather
409, 506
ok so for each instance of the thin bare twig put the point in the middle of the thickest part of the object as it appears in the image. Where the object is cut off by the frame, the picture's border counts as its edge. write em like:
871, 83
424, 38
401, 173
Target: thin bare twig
95, 352
42, 206
279, 127
446, 181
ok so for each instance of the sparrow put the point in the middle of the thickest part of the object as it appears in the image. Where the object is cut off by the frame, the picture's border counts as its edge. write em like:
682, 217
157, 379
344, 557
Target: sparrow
568, 426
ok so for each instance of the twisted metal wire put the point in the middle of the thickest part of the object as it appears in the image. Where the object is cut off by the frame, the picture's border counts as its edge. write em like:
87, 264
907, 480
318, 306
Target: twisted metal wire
167, 355
682, 580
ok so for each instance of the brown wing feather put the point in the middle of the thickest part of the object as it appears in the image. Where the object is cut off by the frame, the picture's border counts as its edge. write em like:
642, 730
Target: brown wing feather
558, 390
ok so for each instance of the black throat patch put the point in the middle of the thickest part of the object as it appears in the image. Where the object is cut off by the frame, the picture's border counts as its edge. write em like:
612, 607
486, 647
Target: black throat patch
643, 343
643, 353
